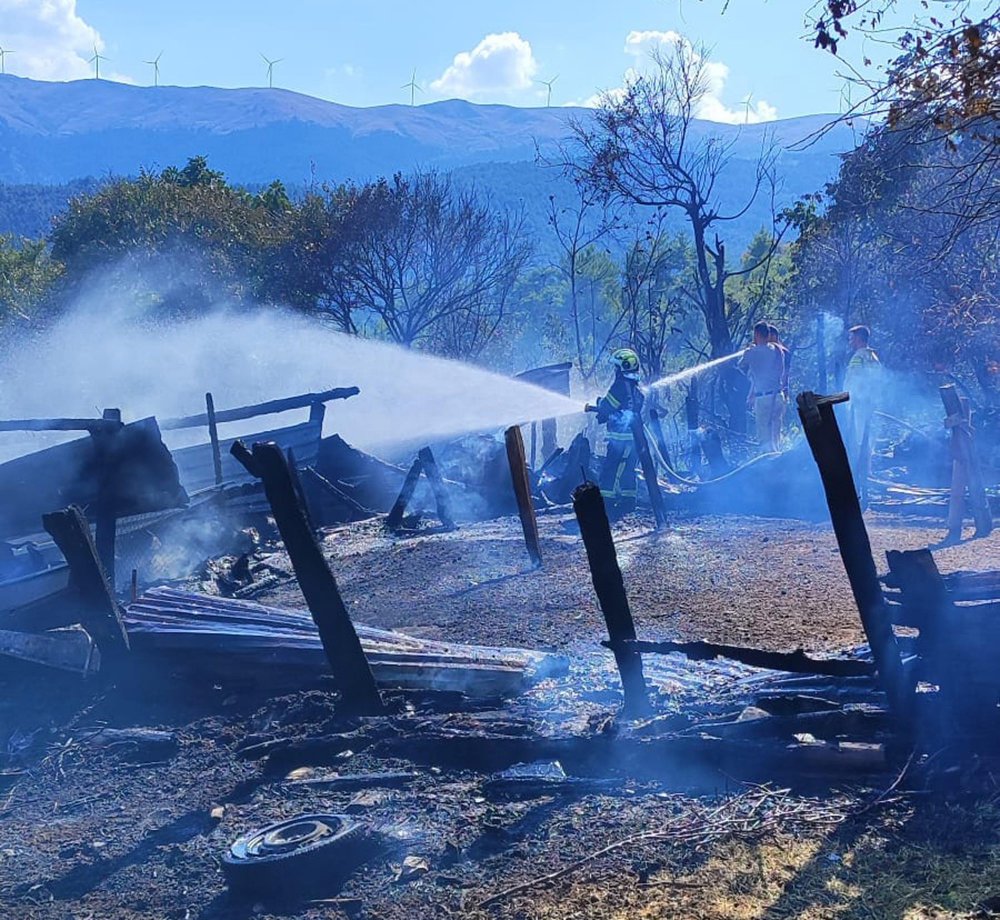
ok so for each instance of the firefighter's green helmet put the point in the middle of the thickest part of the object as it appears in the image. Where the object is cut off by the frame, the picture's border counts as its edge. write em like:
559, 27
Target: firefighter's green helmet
627, 361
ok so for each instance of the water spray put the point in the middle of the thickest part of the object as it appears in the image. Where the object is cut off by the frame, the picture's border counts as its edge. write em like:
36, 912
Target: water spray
690, 372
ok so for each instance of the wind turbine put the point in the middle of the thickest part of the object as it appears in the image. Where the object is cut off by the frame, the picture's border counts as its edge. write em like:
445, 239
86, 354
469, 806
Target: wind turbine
155, 64
548, 83
3, 54
412, 87
96, 61
270, 69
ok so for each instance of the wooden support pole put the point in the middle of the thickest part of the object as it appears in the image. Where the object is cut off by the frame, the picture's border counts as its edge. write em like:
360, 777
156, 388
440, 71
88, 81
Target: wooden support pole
533, 458
319, 587
522, 492
550, 435
213, 434
99, 611
649, 472
610, 587
432, 472
106, 512
317, 413
827, 445
966, 470
395, 518
265, 408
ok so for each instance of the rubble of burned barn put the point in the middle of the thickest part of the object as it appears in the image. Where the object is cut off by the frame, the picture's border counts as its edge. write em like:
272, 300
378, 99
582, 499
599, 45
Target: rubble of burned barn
136, 580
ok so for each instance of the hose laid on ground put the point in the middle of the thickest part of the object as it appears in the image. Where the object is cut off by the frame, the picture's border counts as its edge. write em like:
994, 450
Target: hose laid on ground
654, 447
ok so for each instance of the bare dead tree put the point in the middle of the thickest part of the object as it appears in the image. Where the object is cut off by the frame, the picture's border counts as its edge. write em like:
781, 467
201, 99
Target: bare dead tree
578, 227
428, 262
653, 298
643, 148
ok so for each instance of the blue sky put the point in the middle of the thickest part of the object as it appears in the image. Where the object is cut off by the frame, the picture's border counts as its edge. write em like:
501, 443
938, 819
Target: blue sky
360, 53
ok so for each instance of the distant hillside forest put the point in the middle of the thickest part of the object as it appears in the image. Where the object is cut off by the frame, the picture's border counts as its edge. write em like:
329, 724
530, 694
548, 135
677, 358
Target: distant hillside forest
641, 234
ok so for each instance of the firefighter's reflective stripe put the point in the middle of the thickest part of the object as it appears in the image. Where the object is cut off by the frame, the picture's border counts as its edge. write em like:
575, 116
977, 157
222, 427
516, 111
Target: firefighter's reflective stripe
619, 435
618, 477
613, 401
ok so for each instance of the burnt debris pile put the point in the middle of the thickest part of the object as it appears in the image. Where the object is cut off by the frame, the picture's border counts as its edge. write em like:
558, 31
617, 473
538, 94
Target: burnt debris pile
121, 516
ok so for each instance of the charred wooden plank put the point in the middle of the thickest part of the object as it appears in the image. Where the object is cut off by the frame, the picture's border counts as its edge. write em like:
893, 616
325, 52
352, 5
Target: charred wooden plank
319, 587
433, 474
610, 587
213, 435
395, 518
797, 662
522, 492
265, 408
89, 425
99, 611
827, 445
649, 472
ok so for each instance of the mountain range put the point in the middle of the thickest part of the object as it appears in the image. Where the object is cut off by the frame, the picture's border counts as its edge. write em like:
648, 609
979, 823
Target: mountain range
54, 134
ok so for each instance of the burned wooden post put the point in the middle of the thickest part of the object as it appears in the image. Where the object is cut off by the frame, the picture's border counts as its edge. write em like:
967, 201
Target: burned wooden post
106, 513
319, 587
213, 434
649, 471
395, 519
99, 611
610, 587
967, 473
433, 474
827, 445
426, 464
522, 492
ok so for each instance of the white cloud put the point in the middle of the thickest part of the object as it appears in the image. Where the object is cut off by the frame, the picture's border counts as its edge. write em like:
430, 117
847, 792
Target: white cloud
501, 64
642, 44
48, 39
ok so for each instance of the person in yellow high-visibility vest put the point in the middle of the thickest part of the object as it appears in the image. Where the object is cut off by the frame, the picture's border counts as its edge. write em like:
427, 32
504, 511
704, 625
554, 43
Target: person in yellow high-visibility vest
618, 409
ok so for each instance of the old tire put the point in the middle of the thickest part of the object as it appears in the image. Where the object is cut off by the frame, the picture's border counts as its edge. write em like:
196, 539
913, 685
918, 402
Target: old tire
302, 857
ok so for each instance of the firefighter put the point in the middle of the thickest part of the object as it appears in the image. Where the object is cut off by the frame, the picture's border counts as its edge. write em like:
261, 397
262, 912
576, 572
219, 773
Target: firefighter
763, 363
618, 410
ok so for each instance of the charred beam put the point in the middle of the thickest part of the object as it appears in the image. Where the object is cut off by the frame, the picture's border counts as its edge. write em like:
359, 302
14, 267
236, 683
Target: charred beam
100, 614
58, 424
264, 408
610, 587
797, 662
433, 474
213, 434
319, 587
395, 519
827, 445
649, 471
106, 518
522, 492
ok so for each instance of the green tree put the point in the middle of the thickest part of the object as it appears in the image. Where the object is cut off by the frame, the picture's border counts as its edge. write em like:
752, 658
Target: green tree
28, 275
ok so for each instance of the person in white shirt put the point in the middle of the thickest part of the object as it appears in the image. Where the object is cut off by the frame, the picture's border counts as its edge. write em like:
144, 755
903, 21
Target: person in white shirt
762, 362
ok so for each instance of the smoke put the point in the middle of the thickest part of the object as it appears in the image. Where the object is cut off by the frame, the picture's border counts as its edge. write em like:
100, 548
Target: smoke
110, 350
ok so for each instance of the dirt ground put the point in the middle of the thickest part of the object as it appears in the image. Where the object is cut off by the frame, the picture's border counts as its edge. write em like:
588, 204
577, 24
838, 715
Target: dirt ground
95, 833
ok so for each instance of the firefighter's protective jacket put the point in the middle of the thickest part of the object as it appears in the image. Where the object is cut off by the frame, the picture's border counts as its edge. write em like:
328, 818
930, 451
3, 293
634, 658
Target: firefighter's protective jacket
622, 404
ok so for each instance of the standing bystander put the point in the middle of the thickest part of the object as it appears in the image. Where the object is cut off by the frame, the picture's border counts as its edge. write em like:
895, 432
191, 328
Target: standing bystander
763, 364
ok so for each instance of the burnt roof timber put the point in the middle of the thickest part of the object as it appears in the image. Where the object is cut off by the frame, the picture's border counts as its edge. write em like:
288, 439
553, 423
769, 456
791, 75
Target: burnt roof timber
60, 424
265, 408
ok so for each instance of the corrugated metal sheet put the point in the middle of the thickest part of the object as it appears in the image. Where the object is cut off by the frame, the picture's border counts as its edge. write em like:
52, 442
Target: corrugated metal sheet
197, 470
